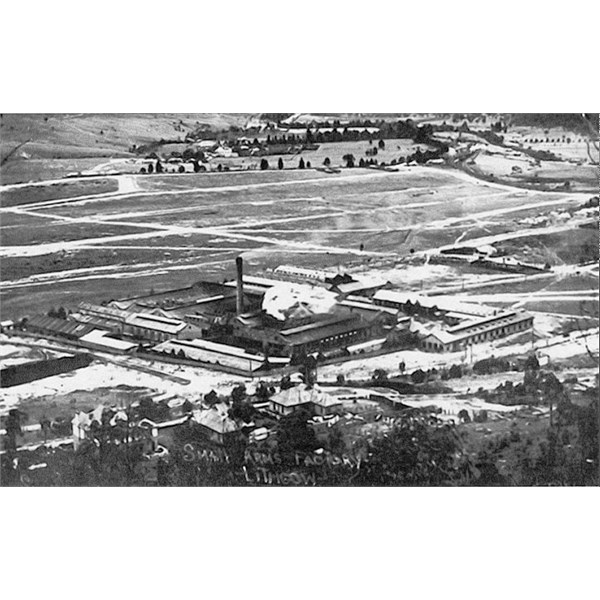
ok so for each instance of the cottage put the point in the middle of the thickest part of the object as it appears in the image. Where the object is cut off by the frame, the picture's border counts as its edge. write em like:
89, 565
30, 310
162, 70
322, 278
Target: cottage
216, 423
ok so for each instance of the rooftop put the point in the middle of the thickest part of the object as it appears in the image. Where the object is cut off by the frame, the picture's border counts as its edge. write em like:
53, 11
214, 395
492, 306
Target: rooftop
155, 322
216, 419
60, 326
445, 303
301, 394
100, 337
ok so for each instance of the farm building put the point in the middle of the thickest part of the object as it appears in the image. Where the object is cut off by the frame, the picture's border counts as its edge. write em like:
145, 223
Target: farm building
477, 331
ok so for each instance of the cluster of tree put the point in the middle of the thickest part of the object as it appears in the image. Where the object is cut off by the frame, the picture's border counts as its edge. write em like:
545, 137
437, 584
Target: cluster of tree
418, 451
490, 365
593, 202
356, 130
58, 313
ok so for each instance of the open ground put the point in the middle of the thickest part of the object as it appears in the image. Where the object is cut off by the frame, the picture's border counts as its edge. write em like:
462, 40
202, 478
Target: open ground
164, 231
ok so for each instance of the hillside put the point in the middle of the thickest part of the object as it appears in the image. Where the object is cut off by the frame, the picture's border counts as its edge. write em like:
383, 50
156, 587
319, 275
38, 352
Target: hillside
93, 135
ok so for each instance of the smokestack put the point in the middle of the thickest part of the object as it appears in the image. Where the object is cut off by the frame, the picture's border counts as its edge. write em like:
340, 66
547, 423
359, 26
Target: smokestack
239, 304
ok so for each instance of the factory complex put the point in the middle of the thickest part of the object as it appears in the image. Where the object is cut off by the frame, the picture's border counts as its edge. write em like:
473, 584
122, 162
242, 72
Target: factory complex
276, 320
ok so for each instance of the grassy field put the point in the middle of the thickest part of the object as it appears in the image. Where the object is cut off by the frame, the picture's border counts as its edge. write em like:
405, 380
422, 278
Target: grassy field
169, 231
66, 189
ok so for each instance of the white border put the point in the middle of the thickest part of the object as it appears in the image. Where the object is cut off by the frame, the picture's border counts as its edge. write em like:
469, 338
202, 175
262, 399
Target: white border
336, 56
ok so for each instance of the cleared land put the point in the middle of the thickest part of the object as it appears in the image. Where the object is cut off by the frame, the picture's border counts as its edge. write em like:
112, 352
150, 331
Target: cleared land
165, 231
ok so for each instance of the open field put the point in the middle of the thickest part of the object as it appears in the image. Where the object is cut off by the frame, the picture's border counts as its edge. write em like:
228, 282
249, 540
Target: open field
166, 231
66, 189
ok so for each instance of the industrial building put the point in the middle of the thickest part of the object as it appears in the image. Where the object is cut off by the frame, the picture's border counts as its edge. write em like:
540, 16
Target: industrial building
214, 353
477, 331
70, 330
449, 309
156, 328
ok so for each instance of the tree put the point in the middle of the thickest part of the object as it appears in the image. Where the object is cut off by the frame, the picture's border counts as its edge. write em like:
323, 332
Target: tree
308, 165
13, 429
286, 383
264, 164
238, 394
455, 372
294, 434
280, 163
327, 161
349, 160
159, 167
379, 375
150, 168
301, 164
532, 363
463, 415
381, 144
415, 452
211, 398
418, 376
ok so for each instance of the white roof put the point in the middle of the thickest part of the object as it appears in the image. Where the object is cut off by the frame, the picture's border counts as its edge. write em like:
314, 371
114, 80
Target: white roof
99, 337
300, 394
216, 419
155, 322
200, 344
301, 272
253, 280
366, 345
445, 303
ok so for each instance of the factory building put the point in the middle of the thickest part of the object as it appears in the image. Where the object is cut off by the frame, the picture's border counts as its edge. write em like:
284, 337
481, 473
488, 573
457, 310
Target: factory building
449, 309
102, 317
156, 328
70, 330
321, 334
208, 352
477, 331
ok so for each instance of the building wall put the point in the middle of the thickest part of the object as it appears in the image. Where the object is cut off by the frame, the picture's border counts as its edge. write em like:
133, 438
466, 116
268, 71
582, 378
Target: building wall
432, 344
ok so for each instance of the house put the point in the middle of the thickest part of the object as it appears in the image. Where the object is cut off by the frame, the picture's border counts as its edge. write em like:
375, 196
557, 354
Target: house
216, 423
6, 326
162, 433
313, 399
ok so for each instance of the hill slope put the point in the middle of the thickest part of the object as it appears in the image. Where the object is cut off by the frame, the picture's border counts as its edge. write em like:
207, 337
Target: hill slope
91, 135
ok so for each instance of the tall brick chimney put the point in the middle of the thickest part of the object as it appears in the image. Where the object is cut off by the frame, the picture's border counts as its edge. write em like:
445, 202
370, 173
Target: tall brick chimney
239, 304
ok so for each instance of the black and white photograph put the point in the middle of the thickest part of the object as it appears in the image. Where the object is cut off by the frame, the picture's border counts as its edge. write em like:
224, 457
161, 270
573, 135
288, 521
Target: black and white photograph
299, 299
